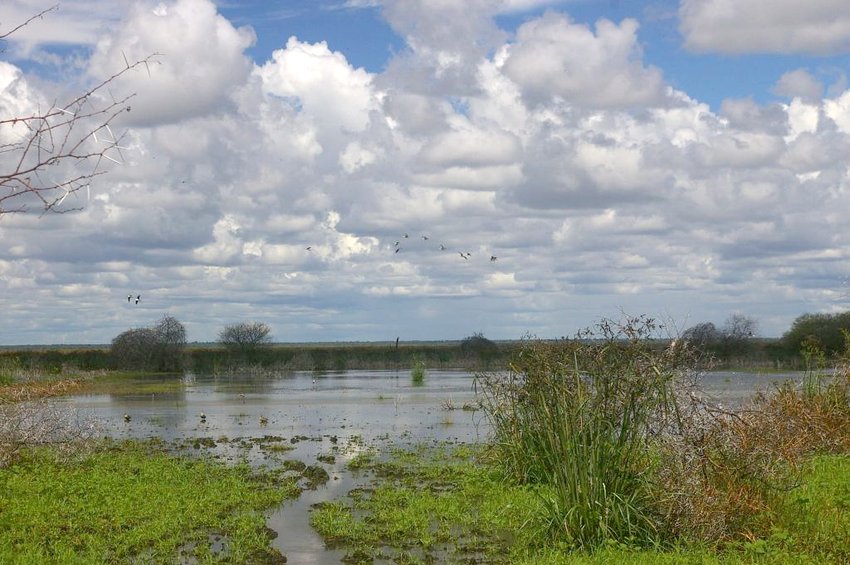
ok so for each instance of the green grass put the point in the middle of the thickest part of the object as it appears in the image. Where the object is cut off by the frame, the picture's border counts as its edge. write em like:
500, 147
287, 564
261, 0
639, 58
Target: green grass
431, 505
451, 504
130, 501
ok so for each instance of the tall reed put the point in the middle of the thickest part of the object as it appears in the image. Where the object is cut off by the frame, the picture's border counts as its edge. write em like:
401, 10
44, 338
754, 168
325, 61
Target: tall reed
578, 416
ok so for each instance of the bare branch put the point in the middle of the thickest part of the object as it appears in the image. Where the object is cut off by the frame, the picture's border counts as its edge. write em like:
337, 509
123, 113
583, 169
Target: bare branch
57, 152
39, 15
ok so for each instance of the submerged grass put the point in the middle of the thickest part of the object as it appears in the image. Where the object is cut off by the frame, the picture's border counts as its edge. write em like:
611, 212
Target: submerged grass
131, 501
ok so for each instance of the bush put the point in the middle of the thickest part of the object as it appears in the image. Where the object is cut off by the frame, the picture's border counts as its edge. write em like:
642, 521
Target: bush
823, 329
159, 348
244, 338
579, 416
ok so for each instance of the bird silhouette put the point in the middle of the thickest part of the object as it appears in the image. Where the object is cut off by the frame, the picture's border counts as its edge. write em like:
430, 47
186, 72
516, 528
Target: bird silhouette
309, 247
464, 256
138, 297
126, 417
493, 258
129, 297
443, 247
425, 237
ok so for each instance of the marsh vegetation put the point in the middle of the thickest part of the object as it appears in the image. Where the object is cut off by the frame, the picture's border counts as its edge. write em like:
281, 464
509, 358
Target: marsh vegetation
602, 448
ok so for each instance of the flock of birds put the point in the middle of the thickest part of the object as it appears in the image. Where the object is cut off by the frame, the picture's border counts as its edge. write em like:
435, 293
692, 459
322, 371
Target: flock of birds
465, 255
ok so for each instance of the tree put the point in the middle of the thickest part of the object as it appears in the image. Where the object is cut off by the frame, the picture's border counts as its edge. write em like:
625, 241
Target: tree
702, 336
825, 329
244, 337
58, 151
159, 348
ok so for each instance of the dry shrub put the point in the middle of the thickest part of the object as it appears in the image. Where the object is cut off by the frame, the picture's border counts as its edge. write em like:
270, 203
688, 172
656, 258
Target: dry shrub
722, 477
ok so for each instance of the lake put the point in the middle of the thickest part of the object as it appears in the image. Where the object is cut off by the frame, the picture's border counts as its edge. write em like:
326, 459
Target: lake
339, 414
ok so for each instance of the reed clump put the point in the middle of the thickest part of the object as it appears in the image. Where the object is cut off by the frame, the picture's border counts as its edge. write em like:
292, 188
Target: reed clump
613, 426
579, 416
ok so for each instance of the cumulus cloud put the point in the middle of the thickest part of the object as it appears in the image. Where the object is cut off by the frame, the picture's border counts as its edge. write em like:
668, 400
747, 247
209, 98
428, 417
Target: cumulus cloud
200, 60
554, 57
766, 26
319, 79
799, 83
281, 194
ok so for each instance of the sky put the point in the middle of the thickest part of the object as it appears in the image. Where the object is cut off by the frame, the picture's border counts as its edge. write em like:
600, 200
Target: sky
363, 170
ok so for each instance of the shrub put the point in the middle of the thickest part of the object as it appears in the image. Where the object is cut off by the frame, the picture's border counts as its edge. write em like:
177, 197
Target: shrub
244, 337
579, 416
159, 348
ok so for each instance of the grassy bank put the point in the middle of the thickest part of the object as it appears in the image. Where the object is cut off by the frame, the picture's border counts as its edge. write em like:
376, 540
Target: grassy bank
453, 504
131, 501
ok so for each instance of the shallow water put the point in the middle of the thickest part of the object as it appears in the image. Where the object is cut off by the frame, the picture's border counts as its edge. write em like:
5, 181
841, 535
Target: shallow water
333, 413
348, 411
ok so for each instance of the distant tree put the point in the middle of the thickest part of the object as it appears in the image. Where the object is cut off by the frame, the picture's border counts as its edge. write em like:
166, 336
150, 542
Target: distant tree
245, 337
702, 336
171, 341
134, 349
159, 348
732, 339
739, 328
478, 345
824, 329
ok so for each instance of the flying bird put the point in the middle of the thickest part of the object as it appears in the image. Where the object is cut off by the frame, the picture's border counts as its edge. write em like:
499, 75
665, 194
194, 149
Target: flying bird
138, 297
397, 243
397, 249
493, 258
309, 247
406, 236
425, 237
464, 256
129, 297
443, 247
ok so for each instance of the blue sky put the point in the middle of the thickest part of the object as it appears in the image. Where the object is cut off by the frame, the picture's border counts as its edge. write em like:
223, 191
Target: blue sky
550, 162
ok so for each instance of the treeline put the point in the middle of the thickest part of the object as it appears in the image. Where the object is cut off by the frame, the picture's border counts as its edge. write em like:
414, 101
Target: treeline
811, 336
144, 351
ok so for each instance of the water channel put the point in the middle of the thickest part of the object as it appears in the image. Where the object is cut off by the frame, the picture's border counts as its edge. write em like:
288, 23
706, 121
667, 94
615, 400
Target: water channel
319, 414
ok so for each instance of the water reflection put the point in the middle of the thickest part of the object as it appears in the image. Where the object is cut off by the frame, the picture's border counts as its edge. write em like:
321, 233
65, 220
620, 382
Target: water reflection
319, 414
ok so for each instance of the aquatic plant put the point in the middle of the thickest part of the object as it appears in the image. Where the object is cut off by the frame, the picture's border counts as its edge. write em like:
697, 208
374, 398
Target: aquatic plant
417, 372
578, 415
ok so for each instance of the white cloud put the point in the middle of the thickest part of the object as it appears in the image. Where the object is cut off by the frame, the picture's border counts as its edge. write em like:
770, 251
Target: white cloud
799, 83
329, 89
766, 26
200, 60
560, 151
554, 57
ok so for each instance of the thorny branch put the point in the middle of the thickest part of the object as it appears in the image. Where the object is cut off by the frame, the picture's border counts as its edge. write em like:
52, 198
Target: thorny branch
54, 153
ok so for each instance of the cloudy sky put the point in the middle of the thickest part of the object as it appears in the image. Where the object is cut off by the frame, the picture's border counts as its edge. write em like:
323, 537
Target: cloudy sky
685, 159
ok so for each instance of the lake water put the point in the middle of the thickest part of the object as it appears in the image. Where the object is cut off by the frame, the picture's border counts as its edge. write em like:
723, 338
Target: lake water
333, 413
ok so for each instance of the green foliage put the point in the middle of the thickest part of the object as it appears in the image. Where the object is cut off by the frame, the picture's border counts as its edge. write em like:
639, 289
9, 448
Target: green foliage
823, 329
576, 416
128, 502
432, 506
417, 372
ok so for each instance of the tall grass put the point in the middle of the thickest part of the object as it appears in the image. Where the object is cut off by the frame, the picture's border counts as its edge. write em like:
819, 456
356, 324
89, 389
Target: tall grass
578, 416
417, 372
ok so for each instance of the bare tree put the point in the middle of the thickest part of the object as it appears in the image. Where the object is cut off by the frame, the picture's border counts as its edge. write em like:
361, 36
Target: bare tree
60, 150
245, 337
